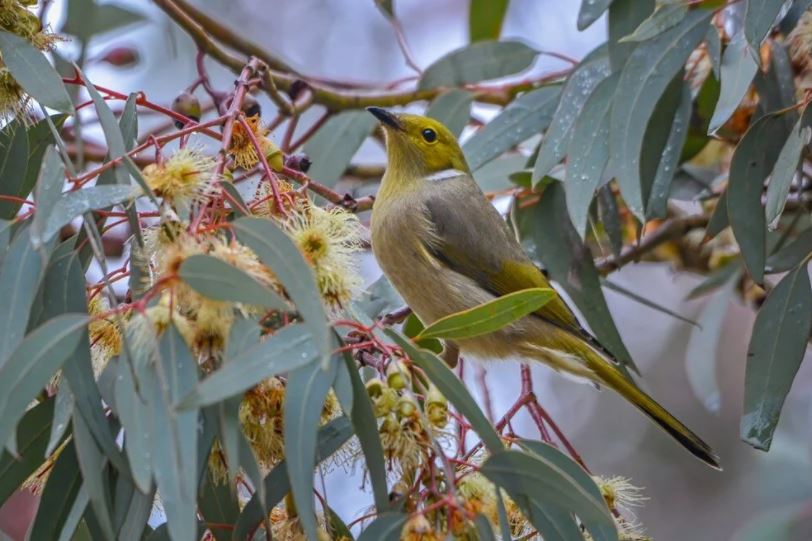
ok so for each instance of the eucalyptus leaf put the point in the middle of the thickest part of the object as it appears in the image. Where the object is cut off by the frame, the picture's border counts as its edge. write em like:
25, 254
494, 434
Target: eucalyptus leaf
34, 73
47, 193
386, 527
737, 72
452, 108
776, 350
93, 466
645, 77
335, 143
529, 114
791, 255
485, 18
32, 439
481, 61
786, 167
664, 17
489, 316
759, 17
591, 11
59, 497
624, 17
221, 281
13, 164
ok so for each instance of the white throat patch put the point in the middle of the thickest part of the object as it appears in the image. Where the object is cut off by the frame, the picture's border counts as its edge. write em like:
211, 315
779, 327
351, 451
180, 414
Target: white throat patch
444, 174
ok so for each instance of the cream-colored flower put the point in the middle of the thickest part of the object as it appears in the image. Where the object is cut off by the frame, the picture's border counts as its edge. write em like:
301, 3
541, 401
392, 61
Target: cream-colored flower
181, 179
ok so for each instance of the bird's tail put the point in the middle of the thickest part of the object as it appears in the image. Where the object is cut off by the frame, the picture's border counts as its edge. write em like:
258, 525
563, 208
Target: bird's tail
614, 379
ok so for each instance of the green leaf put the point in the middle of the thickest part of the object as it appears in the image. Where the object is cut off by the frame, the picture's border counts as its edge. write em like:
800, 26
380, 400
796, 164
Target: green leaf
714, 280
86, 19
62, 495
452, 108
174, 448
221, 281
569, 263
331, 437
700, 355
481, 61
76, 203
713, 46
786, 167
234, 193
578, 88
218, 505
305, 392
543, 480
589, 153
134, 416
791, 255
386, 7
719, 219
47, 193
386, 527
644, 301
484, 528
624, 17
452, 388
20, 276
112, 132
128, 122
378, 299
485, 18
288, 349
93, 466
335, 143
63, 411
665, 16
366, 428
645, 77
336, 527
133, 510
776, 350
738, 69
670, 155
554, 524
489, 316
13, 164
759, 16
752, 162
590, 11
30, 366
34, 73
529, 114
32, 439
275, 249
495, 175
776, 86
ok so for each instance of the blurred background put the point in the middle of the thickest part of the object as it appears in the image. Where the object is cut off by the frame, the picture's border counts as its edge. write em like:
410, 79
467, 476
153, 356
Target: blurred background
349, 40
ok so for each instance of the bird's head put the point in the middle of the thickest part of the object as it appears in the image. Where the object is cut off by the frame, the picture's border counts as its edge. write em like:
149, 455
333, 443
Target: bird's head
418, 146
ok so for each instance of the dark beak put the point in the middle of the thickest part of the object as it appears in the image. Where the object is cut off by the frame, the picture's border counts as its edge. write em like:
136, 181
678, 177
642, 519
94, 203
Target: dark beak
386, 118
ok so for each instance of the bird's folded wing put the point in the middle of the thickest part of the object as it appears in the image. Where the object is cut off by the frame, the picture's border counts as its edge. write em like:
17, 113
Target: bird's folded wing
471, 238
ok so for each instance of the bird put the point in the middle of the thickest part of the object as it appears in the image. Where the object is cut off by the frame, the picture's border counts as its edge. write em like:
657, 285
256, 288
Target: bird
445, 248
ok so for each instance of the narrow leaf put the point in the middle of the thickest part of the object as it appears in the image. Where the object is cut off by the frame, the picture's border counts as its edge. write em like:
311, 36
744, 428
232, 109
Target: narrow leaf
624, 17
60, 495
759, 16
386, 527
477, 62
489, 316
738, 69
485, 18
786, 167
34, 73
526, 116
590, 11
93, 466
32, 439
221, 281
452, 108
776, 350
335, 143
665, 16
791, 255
13, 164
48, 192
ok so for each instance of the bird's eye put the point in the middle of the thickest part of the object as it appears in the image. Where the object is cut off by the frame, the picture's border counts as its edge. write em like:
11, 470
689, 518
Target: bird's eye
429, 135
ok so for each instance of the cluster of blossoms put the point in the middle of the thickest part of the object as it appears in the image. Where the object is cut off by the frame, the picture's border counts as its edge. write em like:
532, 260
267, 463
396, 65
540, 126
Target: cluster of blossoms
17, 18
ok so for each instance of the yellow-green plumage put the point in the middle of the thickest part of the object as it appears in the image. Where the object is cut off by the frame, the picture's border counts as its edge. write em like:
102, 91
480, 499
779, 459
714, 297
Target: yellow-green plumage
445, 249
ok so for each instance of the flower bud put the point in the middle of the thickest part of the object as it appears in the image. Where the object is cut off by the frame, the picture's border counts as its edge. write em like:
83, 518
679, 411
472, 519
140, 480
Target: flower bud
299, 162
297, 88
436, 408
386, 402
397, 375
187, 105
406, 407
274, 156
374, 387
250, 106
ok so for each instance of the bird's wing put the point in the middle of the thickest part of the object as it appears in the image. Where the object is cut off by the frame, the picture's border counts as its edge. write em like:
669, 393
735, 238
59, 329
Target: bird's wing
484, 249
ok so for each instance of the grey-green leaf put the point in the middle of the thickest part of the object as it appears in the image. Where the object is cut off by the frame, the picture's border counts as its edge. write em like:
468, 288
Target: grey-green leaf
32, 363
624, 17
275, 249
288, 349
60, 495
738, 69
76, 203
335, 143
776, 350
792, 254
386, 527
786, 167
700, 355
752, 161
452, 108
452, 388
32, 438
759, 16
485, 18
645, 77
221, 281
481, 61
523, 118
574, 96
590, 11
589, 152
13, 164
305, 391
34, 73
665, 16
48, 192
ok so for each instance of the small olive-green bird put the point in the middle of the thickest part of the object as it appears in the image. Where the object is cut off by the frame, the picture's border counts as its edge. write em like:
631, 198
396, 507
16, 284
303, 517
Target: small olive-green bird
445, 248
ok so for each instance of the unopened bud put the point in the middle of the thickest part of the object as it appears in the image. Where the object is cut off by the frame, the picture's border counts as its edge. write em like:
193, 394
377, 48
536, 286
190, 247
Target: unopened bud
436, 407
274, 155
120, 57
299, 162
187, 105
386, 402
374, 387
406, 408
397, 375
296, 88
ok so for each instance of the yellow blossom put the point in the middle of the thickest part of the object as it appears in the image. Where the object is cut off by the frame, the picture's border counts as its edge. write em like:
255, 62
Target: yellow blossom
243, 150
182, 178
